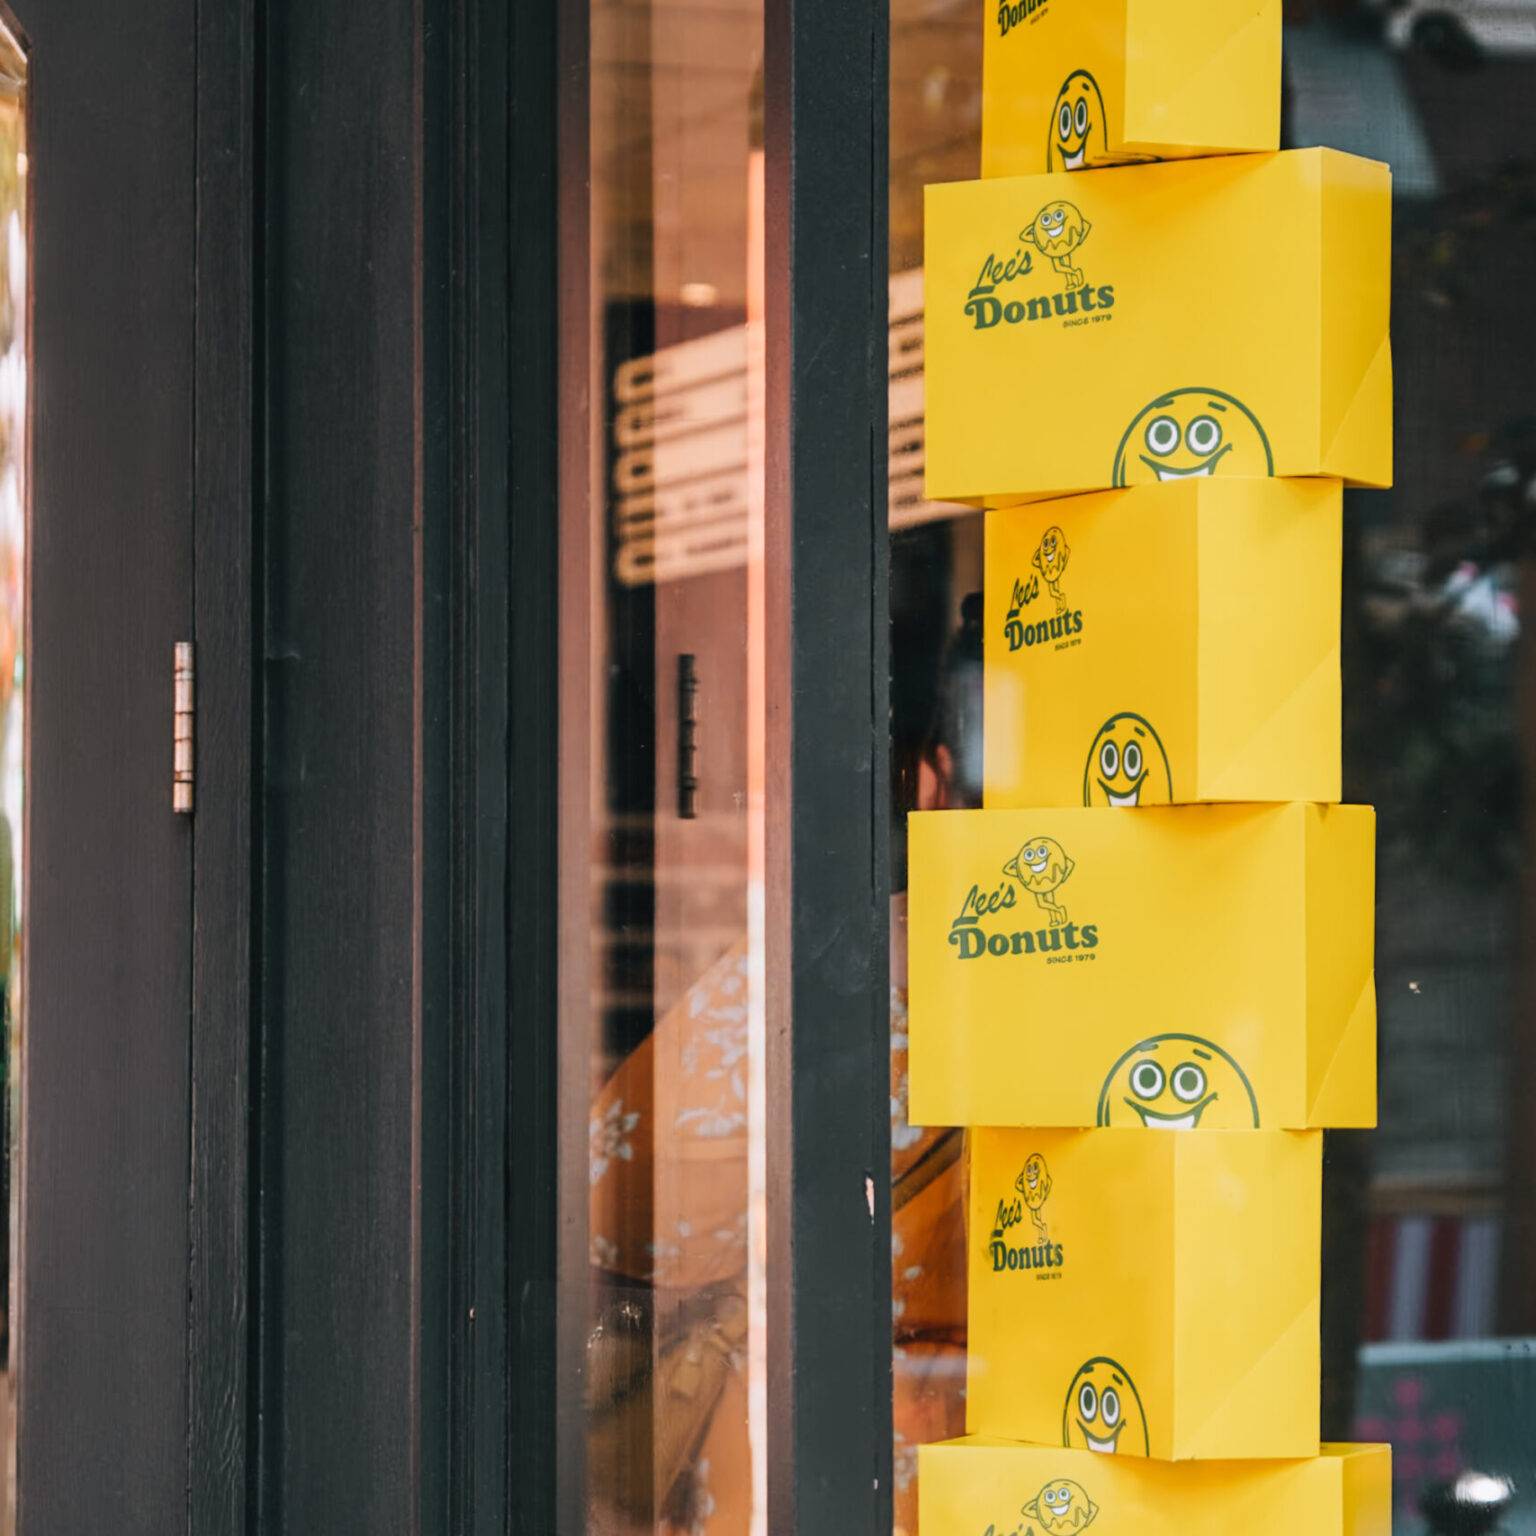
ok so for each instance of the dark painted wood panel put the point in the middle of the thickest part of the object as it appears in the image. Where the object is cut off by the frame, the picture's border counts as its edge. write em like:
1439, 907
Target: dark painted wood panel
103, 1439
544, 1423
476, 1428
339, 1004
224, 582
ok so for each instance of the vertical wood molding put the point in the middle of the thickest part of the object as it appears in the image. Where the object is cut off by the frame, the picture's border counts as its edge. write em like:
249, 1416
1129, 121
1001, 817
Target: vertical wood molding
828, 885
578, 530
474, 169
544, 1489
224, 581
343, 994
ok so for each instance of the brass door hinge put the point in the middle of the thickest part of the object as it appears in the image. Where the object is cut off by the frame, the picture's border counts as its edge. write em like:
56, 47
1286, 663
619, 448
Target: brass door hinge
185, 725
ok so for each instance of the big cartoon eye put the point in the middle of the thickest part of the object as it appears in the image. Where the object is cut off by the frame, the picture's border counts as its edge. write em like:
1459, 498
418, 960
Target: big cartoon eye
1111, 1407
1109, 759
1082, 117
1147, 1080
1056, 1497
1064, 121
1087, 1400
1162, 435
1132, 760
1188, 1082
1204, 435
1063, 1495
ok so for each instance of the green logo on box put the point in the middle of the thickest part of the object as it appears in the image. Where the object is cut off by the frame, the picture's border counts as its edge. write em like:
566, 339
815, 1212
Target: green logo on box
1042, 866
1032, 1189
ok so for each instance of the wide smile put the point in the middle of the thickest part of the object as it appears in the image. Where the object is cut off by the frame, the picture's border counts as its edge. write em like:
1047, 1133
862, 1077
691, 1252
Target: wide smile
1074, 161
1155, 1120
1039, 868
1167, 472
1131, 797
1103, 1447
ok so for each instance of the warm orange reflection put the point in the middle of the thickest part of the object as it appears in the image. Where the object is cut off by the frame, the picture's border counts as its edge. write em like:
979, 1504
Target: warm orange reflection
14, 501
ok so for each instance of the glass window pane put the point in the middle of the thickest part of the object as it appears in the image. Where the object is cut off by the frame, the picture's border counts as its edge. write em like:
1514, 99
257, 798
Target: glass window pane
1429, 1284
935, 603
675, 1385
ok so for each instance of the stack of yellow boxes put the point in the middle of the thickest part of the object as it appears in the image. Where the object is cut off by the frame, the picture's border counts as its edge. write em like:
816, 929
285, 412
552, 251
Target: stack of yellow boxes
1161, 374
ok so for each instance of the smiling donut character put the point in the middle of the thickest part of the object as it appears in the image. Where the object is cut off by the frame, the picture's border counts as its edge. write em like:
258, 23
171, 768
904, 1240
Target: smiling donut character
1178, 1083
1103, 1411
1127, 764
1056, 232
1077, 119
1062, 1507
1041, 866
1189, 433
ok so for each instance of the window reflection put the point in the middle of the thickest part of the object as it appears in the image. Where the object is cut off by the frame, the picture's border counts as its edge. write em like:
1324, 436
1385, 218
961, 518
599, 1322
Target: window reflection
675, 1387
14, 339
1429, 1286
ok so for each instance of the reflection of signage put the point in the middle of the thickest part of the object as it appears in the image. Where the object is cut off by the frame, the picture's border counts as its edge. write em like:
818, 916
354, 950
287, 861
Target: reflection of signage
679, 492
680, 448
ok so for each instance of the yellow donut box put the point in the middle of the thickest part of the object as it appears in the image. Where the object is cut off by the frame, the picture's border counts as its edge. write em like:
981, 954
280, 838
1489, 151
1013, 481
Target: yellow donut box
1196, 966
1080, 83
1145, 1295
981, 1486
1219, 317
1165, 644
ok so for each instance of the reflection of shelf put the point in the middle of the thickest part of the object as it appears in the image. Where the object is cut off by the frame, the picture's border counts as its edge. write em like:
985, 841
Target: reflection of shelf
1473, 1195
680, 494
1432, 1259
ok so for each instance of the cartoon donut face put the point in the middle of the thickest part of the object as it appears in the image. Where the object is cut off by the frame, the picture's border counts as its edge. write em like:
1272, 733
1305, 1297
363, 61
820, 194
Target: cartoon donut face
1052, 555
1034, 1183
1190, 433
1178, 1082
1040, 865
1062, 1507
1127, 765
1078, 127
1058, 229
1103, 1411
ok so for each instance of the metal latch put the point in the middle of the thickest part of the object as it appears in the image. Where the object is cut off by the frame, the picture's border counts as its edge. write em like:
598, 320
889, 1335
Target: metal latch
186, 714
